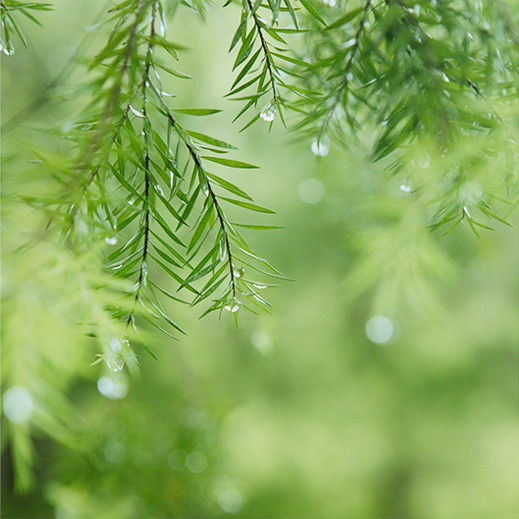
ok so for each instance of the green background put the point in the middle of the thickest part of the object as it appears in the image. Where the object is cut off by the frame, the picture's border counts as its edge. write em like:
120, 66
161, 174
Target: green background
291, 415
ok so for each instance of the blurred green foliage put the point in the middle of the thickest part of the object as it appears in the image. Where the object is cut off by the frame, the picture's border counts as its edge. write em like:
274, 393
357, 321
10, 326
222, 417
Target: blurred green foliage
291, 415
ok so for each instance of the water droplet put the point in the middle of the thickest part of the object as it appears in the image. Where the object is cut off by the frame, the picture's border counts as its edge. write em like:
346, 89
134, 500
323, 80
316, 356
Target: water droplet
406, 188
379, 329
239, 272
230, 500
114, 361
310, 191
319, 148
233, 305
330, 3
205, 190
445, 78
162, 29
222, 249
136, 112
18, 404
269, 113
144, 273
196, 462
349, 76
110, 389
111, 240
115, 344
7, 48
416, 9
259, 286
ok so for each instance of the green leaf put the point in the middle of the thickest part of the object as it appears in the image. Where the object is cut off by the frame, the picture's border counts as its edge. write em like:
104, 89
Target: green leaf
245, 49
175, 276
348, 17
246, 68
240, 31
247, 205
211, 140
292, 13
194, 275
258, 227
292, 60
173, 71
196, 111
491, 214
311, 9
230, 163
202, 224
227, 185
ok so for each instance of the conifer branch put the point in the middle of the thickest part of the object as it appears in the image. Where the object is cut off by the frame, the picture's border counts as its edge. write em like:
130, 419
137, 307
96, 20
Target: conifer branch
346, 74
266, 52
143, 271
221, 217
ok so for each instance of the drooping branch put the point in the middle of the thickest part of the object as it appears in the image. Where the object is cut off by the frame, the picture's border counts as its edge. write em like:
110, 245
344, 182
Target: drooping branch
266, 53
346, 76
221, 217
144, 82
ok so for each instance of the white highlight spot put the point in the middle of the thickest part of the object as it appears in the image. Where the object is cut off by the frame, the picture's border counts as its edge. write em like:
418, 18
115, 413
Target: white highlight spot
268, 114
18, 404
230, 500
110, 389
262, 342
319, 148
310, 191
379, 329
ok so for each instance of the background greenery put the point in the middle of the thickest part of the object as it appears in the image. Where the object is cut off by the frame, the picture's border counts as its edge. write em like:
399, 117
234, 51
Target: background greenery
296, 414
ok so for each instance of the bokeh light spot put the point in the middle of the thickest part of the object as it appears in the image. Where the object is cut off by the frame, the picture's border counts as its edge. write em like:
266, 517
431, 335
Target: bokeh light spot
379, 329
